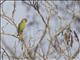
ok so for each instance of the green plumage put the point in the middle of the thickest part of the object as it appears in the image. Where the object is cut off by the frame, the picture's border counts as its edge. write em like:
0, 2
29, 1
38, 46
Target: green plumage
21, 26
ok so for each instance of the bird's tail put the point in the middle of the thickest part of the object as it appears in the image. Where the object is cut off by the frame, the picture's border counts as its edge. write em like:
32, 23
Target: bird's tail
19, 33
20, 36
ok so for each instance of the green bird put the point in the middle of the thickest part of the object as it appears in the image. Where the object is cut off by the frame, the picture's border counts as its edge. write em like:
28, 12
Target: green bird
21, 27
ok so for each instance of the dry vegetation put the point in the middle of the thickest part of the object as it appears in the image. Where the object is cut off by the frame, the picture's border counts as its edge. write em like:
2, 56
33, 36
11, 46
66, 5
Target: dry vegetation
50, 44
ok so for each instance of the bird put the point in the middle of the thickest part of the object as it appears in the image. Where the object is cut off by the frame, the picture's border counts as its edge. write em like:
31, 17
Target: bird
21, 27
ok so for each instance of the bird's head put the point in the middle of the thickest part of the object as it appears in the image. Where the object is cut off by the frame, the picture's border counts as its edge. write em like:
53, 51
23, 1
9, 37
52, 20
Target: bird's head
24, 20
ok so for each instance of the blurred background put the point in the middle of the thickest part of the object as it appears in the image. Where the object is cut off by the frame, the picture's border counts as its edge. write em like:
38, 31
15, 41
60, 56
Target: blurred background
51, 33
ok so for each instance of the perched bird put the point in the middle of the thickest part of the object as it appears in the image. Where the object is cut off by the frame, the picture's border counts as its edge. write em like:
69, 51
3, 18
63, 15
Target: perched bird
21, 27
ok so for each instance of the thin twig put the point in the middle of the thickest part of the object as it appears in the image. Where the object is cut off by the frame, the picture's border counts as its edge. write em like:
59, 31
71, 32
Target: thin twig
7, 18
14, 9
9, 34
1, 2
6, 53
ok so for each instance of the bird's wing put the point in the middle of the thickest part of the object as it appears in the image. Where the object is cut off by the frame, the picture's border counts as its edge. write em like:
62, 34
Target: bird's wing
21, 26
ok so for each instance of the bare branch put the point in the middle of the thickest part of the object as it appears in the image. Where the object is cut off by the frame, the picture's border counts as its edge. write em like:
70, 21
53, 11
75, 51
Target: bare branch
7, 18
6, 53
9, 34
14, 9
1, 2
